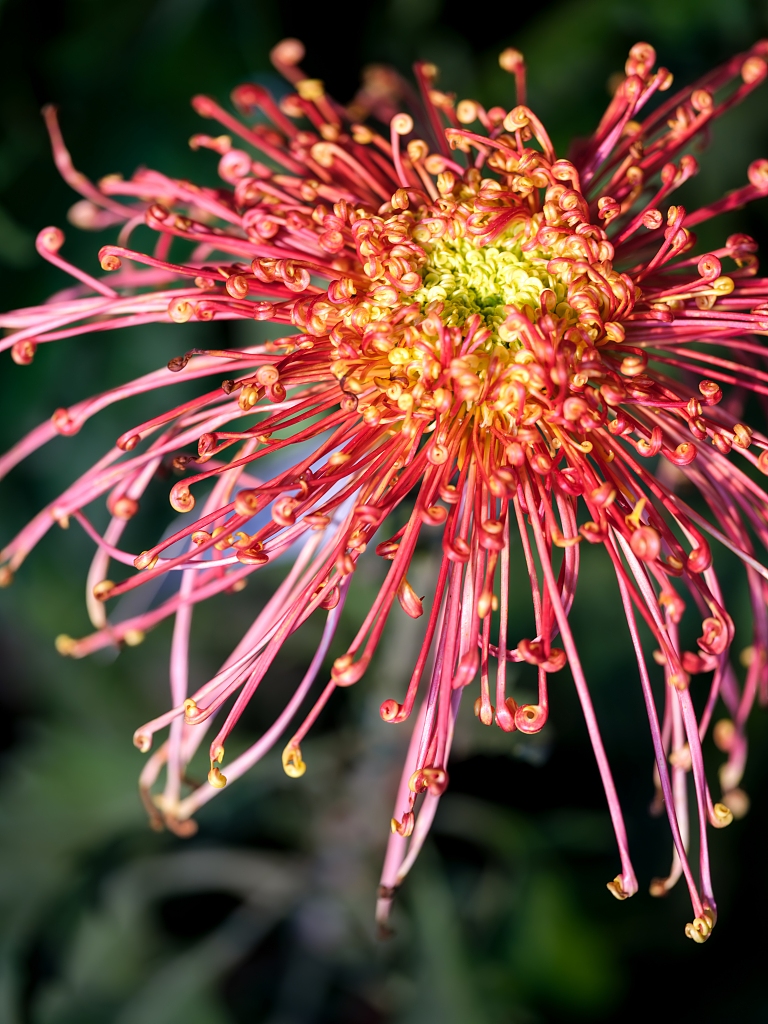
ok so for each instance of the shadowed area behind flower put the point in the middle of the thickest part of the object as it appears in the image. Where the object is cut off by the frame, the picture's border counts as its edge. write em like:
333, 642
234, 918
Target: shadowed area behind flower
545, 893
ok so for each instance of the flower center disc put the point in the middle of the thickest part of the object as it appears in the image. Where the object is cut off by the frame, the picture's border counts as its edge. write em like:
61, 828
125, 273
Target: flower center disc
467, 279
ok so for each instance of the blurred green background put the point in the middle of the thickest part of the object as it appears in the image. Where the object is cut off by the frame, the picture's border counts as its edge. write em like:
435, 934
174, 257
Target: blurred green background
267, 914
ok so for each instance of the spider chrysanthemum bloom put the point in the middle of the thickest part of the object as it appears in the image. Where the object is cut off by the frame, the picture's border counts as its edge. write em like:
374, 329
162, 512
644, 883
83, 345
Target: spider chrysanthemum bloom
519, 349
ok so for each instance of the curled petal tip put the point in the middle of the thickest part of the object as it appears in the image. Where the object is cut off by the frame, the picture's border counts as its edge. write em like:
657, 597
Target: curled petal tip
65, 645
216, 779
293, 765
700, 928
620, 888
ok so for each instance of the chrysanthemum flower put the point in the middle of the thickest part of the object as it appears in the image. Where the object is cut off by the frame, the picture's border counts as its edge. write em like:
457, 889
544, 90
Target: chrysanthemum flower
519, 349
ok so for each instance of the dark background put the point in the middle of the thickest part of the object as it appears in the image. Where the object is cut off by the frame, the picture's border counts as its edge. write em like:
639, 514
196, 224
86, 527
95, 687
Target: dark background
266, 915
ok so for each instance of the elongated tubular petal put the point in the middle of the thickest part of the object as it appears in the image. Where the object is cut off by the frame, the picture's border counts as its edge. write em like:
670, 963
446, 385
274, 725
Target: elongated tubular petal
426, 815
628, 880
670, 802
397, 844
76, 179
690, 723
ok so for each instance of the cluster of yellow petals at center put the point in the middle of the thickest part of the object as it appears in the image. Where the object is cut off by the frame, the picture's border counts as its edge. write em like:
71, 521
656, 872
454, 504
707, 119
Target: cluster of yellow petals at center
466, 278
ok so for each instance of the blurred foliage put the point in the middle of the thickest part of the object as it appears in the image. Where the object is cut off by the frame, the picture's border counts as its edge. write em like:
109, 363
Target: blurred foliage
266, 914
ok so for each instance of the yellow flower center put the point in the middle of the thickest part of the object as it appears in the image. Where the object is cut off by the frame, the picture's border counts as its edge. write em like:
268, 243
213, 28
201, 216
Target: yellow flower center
466, 278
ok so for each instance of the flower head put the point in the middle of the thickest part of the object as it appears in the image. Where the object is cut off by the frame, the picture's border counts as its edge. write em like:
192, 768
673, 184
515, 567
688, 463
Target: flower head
522, 350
